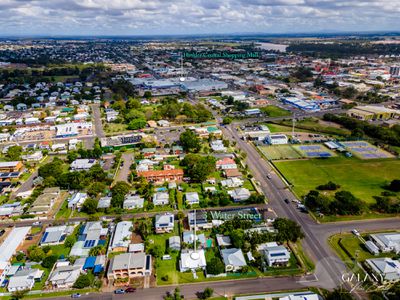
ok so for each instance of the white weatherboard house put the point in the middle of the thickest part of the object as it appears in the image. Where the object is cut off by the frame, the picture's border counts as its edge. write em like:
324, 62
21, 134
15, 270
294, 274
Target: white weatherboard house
192, 198
385, 269
233, 259
161, 198
24, 279
122, 236
164, 223
387, 242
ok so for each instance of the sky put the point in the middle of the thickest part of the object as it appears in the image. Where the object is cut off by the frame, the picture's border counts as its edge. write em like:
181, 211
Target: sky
170, 17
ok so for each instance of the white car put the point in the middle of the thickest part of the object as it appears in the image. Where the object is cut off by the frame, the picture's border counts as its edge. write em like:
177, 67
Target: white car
355, 232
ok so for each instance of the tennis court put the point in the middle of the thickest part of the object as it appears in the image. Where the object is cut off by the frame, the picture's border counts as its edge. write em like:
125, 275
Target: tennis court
365, 150
314, 151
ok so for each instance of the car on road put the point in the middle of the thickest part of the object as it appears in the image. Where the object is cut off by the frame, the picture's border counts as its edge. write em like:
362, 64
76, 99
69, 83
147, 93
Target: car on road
119, 291
355, 232
269, 176
287, 201
76, 295
130, 290
38, 223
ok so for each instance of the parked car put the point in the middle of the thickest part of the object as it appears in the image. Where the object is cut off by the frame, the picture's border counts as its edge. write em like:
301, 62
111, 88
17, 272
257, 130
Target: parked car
269, 176
76, 295
130, 290
119, 291
287, 201
355, 232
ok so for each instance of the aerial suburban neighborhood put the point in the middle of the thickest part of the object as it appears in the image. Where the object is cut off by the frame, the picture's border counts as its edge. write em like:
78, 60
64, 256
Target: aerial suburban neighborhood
209, 168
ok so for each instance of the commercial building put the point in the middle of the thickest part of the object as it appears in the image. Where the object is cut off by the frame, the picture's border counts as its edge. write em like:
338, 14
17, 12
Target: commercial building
277, 139
161, 176
370, 112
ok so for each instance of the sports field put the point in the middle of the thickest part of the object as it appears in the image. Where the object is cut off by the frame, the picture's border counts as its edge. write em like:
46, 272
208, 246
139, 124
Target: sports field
314, 151
364, 178
280, 152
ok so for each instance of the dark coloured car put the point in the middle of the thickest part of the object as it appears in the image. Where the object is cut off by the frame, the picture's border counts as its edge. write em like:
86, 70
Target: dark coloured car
287, 201
130, 290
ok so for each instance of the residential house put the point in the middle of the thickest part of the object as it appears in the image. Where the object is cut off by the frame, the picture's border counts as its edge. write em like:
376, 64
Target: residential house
133, 201
64, 275
233, 259
188, 238
77, 200
104, 202
387, 242
385, 269
164, 223
192, 198
225, 164
201, 220
192, 260
232, 182
24, 279
11, 166
82, 164
232, 173
239, 194
218, 146
161, 176
223, 240
174, 243
136, 248
55, 235
276, 255
161, 198
45, 201
122, 237
129, 265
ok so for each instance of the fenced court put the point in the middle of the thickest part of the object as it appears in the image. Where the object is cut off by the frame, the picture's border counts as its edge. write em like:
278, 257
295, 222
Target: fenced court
280, 152
314, 151
365, 150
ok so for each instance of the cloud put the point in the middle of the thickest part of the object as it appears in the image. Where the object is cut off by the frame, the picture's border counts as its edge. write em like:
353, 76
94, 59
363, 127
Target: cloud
132, 17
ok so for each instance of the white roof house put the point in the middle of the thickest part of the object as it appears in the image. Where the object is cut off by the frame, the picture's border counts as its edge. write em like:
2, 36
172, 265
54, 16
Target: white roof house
161, 198
387, 242
65, 276
233, 259
192, 198
239, 194
133, 201
302, 296
385, 269
82, 164
24, 279
223, 240
55, 235
232, 182
77, 200
136, 248
104, 202
122, 236
192, 260
218, 146
276, 255
174, 243
164, 223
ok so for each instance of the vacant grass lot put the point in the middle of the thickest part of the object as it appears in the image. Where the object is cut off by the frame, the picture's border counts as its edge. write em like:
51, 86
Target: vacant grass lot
275, 111
364, 179
280, 152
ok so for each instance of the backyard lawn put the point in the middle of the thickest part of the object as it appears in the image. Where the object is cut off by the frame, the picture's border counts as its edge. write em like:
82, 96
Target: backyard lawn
364, 178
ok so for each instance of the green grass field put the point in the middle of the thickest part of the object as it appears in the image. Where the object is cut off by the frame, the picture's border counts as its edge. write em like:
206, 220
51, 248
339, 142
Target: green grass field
280, 152
275, 111
364, 178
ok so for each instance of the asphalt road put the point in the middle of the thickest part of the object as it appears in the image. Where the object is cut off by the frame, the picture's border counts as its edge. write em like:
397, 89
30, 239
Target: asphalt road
124, 170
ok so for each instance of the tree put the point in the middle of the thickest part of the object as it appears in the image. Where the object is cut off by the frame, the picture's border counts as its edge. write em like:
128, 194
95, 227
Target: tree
14, 153
134, 114
207, 293
53, 169
237, 237
96, 188
227, 120
72, 156
19, 294
70, 241
147, 94
346, 203
190, 141
49, 261
145, 228
97, 173
90, 206
82, 281
175, 296
288, 230
35, 253
215, 266
97, 250
118, 191
395, 185
137, 124
330, 186
198, 167
157, 251
339, 294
